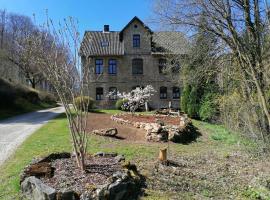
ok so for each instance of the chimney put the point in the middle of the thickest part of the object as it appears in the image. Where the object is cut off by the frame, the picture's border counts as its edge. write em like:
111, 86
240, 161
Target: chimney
106, 28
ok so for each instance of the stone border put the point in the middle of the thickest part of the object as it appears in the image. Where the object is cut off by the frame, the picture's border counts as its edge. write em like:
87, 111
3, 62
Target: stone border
157, 132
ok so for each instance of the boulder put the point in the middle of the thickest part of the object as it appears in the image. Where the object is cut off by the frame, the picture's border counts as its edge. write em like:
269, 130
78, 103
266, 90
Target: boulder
119, 158
121, 186
67, 195
157, 134
103, 154
34, 188
110, 132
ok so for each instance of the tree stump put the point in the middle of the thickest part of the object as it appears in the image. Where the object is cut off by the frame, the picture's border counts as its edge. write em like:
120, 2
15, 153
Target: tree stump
162, 155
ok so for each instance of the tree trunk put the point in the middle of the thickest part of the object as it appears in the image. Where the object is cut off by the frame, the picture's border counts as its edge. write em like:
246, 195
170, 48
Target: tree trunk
162, 155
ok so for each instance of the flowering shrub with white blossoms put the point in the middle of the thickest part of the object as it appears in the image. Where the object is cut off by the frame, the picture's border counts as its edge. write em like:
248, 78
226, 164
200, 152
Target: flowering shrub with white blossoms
136, 98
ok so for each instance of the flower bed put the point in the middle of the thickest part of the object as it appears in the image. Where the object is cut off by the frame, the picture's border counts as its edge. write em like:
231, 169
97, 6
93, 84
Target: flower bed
160, 128
57, 177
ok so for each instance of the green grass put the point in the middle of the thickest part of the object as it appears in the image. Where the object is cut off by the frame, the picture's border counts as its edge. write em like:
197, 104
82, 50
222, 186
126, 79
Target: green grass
54, 137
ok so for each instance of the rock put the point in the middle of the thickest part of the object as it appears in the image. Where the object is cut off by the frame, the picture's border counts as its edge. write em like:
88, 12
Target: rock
137, 124
110, 132
103, 154
34, 188
67, 195
121, 186
43, 169
156, 127
119, 158
160, 122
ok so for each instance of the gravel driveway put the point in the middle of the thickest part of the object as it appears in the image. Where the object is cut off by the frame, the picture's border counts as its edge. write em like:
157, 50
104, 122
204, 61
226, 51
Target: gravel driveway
15, 130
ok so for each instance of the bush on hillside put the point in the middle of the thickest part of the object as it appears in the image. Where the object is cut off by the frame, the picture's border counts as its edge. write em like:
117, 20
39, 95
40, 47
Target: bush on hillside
47, 98
31, 96
79, 102
119, 103
209, 107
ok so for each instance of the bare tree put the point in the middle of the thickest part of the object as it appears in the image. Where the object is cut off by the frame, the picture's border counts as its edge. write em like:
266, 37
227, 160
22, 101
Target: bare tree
237, 23
3, 27
21, 50
60, 63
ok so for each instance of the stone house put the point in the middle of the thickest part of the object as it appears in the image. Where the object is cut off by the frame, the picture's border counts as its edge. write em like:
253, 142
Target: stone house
133, 57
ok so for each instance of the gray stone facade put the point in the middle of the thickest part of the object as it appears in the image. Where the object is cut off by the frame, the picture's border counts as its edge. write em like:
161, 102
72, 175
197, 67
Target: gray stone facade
119, 46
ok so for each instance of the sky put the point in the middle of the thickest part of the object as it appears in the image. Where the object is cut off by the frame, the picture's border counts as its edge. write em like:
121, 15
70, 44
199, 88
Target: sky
91, 14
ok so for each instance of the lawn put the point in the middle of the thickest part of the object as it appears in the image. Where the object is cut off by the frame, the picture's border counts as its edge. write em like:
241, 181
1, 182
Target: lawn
220, 164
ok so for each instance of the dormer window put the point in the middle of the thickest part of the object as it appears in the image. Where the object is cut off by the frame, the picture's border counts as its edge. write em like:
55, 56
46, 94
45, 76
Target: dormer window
136, 40
104, 44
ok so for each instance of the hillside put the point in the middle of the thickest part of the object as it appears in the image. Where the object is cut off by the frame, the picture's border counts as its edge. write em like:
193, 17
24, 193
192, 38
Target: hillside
17, 99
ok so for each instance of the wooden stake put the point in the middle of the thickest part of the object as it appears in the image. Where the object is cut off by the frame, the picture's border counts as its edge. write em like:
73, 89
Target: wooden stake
162, 155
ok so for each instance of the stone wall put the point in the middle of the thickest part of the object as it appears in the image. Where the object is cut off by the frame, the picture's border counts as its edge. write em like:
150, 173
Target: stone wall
159, 132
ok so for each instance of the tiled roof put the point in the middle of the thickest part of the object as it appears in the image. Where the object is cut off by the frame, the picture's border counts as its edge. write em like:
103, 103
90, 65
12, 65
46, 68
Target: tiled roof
169, 42
98, 43
101, 43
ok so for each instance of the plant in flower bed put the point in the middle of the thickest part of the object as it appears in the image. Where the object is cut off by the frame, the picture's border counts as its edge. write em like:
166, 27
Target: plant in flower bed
133, 100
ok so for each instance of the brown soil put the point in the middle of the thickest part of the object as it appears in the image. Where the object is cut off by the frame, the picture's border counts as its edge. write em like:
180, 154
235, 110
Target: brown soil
68, 176
151, 119
126, 132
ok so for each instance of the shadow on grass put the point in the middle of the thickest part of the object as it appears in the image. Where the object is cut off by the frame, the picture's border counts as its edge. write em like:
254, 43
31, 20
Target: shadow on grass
97, 111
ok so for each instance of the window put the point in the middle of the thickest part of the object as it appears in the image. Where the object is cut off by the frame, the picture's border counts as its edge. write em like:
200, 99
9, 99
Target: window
163, 93
99, 66
113, 92
162, 65
175, 66
176, 92
104, 44
99, 93
112, 66
136, 40
137, 66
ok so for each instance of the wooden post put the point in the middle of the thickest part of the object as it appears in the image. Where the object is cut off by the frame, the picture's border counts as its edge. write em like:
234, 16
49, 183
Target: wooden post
162, 155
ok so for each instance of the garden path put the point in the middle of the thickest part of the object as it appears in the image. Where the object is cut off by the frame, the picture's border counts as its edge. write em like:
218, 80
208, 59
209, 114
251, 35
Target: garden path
15, 130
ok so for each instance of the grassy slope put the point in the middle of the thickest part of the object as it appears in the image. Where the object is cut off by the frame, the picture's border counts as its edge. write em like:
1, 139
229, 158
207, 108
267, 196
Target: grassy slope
54, 137
14, 99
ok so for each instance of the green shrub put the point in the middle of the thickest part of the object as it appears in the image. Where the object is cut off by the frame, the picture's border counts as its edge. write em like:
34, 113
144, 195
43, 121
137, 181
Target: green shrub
209, 108
185, 98
84, 100
31, 96
119, 103
22, 104
47, 98
193, 104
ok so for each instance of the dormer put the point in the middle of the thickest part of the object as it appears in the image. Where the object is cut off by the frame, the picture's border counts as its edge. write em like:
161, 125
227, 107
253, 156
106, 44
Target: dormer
136, 37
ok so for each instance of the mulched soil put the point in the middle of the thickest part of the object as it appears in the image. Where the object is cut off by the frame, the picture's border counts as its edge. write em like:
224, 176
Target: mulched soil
151, 119
68, 176
125, 132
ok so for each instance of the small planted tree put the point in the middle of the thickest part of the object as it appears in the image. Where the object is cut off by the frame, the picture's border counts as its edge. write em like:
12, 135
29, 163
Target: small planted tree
136, 98
59, 61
